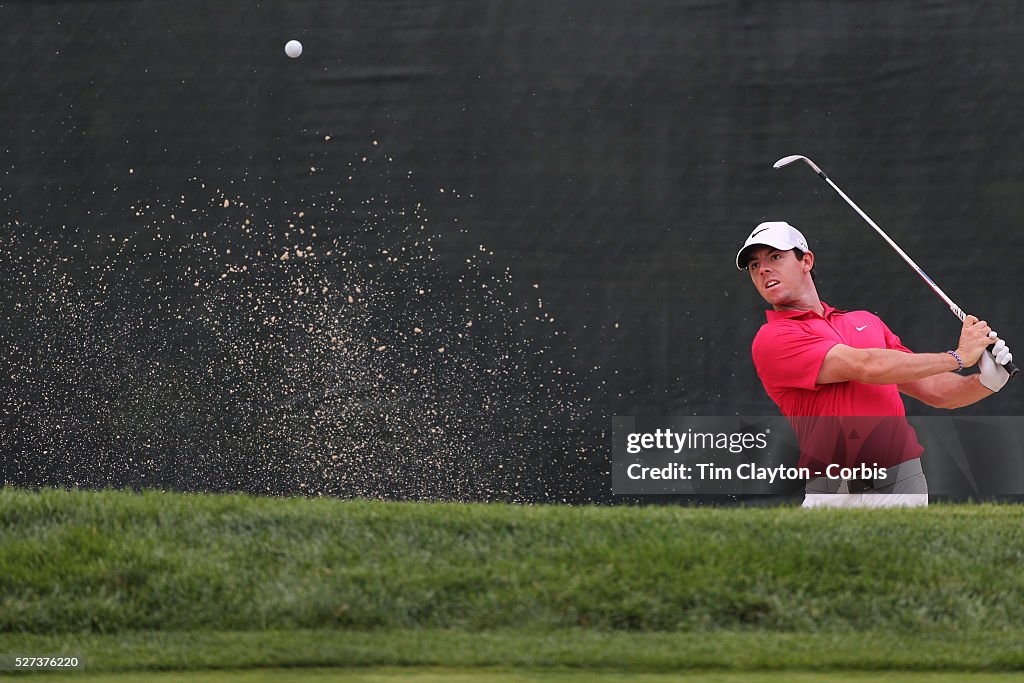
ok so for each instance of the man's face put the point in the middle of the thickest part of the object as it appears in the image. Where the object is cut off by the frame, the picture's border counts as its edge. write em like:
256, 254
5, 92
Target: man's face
780, 278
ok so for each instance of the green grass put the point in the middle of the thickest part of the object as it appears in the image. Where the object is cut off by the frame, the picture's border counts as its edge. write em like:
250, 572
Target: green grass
186, 581
449, 675
571, 649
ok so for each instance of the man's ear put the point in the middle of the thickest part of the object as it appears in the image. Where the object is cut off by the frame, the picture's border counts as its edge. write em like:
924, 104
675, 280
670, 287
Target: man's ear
808, 261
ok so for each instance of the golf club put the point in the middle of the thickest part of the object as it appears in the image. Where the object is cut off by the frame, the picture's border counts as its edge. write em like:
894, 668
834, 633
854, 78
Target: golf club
957, 311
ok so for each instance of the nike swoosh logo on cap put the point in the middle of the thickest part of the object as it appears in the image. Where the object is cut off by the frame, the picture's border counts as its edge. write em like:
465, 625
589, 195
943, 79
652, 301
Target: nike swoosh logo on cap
757, 232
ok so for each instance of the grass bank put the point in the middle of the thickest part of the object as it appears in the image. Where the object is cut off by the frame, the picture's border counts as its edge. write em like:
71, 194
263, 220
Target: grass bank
401, 583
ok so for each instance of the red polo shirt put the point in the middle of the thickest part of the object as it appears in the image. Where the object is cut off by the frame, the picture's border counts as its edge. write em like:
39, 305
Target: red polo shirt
836, 422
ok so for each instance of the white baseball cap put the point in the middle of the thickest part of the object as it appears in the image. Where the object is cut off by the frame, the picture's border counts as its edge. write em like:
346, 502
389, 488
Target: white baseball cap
776, 234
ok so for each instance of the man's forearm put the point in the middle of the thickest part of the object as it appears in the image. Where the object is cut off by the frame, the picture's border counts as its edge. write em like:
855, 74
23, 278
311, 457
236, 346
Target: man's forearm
947, 390
885, 366
882, 366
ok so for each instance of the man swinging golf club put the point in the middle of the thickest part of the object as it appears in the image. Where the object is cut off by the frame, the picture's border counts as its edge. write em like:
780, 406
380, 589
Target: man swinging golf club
838, 375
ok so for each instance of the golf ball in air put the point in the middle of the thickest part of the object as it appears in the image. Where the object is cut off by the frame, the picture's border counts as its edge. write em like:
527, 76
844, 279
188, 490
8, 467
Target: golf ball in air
293, 48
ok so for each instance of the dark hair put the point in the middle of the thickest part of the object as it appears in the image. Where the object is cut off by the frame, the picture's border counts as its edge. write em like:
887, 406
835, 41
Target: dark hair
799, 256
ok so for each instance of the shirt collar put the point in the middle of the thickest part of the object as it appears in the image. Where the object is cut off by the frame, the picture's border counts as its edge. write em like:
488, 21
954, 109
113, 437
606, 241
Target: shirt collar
774, 315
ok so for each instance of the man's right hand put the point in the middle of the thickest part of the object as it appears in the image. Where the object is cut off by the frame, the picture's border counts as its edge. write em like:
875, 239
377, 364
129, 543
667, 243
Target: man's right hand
974, 339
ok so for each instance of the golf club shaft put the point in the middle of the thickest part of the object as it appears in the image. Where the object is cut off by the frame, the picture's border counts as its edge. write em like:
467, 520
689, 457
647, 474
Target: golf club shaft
957, 311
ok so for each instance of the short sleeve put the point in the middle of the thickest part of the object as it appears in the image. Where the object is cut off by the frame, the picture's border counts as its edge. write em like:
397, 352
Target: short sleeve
789, 356
892, 341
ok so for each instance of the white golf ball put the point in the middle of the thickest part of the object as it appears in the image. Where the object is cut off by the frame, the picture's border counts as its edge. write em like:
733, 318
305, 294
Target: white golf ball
293, 48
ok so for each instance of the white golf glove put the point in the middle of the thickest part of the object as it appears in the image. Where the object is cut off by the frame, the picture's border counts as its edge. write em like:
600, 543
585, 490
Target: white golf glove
993, 375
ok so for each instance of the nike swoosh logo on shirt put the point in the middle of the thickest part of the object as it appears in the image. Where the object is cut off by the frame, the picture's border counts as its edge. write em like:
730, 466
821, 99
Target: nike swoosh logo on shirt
861, 328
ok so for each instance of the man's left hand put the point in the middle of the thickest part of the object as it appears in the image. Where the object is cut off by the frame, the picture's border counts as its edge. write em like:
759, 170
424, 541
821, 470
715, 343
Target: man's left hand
993, 375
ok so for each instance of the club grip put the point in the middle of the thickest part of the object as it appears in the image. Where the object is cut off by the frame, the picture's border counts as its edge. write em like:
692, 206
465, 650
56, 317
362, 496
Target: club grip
1010, 368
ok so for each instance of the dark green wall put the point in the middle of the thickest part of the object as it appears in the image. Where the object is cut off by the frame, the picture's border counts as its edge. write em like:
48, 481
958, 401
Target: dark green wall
613, 154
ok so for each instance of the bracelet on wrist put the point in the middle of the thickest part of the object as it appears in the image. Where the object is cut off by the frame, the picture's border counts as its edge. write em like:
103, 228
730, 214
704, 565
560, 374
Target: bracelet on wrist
958, 360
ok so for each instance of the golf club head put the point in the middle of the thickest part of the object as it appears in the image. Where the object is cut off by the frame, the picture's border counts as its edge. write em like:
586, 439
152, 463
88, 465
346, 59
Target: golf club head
786, 161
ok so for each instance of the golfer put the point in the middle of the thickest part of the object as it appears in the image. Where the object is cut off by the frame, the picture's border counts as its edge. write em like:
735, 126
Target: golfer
837, 375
